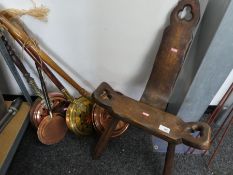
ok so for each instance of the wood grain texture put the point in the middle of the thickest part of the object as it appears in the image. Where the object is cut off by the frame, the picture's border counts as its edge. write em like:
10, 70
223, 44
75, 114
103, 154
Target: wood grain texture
11, 132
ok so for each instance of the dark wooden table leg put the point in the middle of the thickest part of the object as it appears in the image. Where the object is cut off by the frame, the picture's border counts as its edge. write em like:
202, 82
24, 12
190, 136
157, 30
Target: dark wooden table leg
169, 160
104, 138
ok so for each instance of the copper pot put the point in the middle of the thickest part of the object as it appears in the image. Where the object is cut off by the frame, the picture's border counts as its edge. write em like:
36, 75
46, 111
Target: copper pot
39, 110
101, 119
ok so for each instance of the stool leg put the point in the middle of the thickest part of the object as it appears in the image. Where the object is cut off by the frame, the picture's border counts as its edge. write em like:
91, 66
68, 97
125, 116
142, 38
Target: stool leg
104, 138
169, 160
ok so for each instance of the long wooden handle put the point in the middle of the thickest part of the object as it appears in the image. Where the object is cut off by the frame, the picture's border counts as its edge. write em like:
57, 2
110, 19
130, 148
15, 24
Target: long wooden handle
29, 46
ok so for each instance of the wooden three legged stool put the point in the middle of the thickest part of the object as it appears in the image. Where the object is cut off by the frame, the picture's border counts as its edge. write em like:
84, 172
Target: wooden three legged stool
148, 113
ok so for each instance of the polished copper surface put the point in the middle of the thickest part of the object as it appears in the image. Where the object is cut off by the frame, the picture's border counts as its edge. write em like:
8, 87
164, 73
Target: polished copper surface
101, 120
78, 116
61, 108
52, 130
39, 110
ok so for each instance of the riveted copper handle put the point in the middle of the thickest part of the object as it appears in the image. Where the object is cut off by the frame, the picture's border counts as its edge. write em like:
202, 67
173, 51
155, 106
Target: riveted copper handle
201, 142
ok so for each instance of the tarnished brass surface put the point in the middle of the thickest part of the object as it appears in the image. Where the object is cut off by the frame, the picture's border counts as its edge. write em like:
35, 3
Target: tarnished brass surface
52, 130
101, 120
78, 116
159, 123
39, 110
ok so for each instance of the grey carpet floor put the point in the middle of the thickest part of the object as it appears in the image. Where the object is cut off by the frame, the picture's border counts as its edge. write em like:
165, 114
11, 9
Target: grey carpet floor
131, 154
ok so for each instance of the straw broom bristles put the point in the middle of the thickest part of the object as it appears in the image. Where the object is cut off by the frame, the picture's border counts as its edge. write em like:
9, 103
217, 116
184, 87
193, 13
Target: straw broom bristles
39, 13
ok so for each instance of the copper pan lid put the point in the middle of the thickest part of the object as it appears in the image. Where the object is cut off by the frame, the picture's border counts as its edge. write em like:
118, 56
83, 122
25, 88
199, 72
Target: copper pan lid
52, 130
101, 120
39, 110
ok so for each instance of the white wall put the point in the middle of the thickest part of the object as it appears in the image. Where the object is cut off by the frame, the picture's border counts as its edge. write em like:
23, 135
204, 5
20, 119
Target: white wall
223, 89
101, 40
95, 41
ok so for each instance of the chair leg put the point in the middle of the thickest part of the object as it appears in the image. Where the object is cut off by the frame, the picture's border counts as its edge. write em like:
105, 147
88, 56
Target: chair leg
104, 138
169, 160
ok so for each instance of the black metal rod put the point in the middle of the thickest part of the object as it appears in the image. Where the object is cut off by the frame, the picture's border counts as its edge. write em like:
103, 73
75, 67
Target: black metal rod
44, 90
